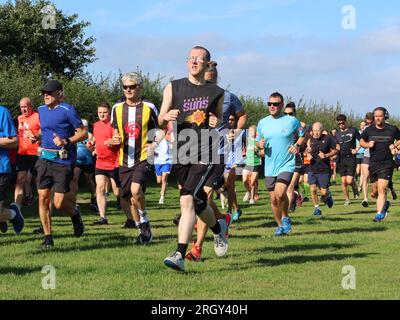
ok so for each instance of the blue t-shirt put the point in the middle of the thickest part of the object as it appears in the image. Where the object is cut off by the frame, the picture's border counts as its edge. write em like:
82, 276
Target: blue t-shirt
236, 147
279, 135
62, 120
7, 129
83, 155
232, 106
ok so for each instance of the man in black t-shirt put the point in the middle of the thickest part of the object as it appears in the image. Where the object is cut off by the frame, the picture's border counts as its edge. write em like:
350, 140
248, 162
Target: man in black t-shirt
347, 162
194, 107
321, 147
383, 141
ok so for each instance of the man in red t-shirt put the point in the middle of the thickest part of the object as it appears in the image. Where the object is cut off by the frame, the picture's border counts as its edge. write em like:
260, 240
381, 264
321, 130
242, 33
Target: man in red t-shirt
107, 167
28, 126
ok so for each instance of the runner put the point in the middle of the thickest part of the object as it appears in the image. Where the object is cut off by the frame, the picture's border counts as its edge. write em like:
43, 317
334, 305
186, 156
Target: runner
321, 147
8, 140
28, 125
380, 139
107, 168
163, 165
195, 105
61, 128
132, 120
276, 134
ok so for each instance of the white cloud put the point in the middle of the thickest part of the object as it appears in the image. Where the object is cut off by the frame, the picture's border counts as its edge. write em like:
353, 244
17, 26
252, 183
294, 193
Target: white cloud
383, 41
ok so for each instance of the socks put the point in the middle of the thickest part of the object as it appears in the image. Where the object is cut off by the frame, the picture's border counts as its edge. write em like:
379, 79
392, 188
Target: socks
143, 216
182, 247
216, 229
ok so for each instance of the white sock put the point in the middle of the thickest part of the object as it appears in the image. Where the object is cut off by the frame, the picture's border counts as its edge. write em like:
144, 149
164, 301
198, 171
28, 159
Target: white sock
316, 207
137, 223
143, 216
13, 214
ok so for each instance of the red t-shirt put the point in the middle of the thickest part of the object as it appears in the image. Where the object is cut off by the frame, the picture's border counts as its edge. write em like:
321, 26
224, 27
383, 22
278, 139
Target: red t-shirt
25, 147
107, 158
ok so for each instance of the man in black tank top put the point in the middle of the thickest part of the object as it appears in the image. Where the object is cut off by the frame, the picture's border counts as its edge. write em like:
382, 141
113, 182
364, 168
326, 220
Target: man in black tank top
194, 107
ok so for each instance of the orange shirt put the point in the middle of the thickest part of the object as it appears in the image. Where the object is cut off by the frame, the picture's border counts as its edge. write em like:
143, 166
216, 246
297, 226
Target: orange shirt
25, 147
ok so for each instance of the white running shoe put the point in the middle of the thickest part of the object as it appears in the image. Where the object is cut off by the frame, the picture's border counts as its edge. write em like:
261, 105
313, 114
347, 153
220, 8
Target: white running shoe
220, 240
175, 261
246, 197
252, 201
161, 200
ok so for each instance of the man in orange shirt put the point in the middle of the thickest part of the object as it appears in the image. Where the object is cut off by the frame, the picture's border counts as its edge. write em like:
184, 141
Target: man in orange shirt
28, 126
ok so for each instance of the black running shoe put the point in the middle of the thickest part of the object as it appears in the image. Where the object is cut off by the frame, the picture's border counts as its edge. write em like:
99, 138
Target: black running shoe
101, 222
394, 194
145, 235
47, 244
3, 227
38, 230
176, 219
93, 205
77, 223
129, 224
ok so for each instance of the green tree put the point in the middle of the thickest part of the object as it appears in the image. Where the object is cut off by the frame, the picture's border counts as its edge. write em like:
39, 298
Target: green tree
35, 33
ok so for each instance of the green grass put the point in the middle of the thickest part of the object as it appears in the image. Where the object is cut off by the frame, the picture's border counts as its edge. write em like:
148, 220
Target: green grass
106, 264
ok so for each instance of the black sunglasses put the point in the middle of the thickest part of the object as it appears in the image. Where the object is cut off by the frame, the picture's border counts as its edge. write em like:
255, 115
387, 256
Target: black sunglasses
132, 87
47, 92
275, 104
341, 123
289, 113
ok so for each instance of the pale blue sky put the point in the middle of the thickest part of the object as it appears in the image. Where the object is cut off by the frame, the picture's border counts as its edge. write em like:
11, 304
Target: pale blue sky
297, 47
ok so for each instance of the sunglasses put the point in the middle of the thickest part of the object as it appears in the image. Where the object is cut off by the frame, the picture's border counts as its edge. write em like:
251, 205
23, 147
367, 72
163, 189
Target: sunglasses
47, 93
274, 104
341, 123
132, 87
195, 59
231, 120
289, 113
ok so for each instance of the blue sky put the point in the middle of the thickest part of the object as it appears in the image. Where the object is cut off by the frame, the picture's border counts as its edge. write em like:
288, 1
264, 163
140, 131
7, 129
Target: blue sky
297, 47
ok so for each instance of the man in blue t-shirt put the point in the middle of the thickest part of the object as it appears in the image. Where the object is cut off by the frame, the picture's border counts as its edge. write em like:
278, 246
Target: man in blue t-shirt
276, 137
8, 140
61, 129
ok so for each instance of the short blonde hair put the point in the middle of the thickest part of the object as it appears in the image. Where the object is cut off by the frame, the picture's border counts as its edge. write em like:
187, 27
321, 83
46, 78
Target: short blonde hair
132, 77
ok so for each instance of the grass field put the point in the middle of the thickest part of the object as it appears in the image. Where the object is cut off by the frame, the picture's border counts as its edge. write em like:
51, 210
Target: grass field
106, 264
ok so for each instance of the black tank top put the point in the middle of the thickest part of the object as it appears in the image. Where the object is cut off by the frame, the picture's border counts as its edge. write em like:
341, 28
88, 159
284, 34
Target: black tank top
195, 103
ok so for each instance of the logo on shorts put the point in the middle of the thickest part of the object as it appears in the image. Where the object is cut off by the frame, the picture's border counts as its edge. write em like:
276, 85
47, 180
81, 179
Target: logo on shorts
132, 129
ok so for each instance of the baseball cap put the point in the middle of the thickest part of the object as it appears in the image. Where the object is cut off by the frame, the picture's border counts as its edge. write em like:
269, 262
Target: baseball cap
52, 85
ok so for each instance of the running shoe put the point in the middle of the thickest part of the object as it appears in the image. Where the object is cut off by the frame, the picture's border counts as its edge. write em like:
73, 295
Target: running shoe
379, 217
365, 203
3, 227
246, 197
237, 215
394, 194
252, 201
18, 221
93, 205
329, 200
305, 199
47, 244
347, 203
317, 212
279, 232
195, 253
101, 222
77, 223
386, 207
145, 235
286, 225
175, 261
38, 230
161, 201
129, 224
220, 240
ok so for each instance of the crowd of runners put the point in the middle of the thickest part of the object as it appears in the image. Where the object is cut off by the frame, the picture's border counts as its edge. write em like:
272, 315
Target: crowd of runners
201, 132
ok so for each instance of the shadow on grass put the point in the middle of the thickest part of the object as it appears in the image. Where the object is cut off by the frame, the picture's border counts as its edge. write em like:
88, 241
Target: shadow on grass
306, 247
304, 259
344, 231
18, 271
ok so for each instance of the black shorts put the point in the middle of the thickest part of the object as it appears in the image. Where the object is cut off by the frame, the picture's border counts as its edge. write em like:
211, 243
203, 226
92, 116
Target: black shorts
112, 174
216, 179
360, 160
347, 167
4, 185
51, 174
284, 177
26, 163
299, 166
86, 168
137, 174
381, 170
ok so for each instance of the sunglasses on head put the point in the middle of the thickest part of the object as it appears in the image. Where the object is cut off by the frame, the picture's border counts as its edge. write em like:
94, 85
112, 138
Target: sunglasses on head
289, 113
274, 104
132, 87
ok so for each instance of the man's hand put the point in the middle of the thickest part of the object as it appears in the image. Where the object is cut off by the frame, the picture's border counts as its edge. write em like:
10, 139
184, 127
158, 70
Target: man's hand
116, 139
231, 135
32, 137
172, 115
371, 144
213, 120
321, 155
58, 141
150, 148
293, 149
261, 144
353, 151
